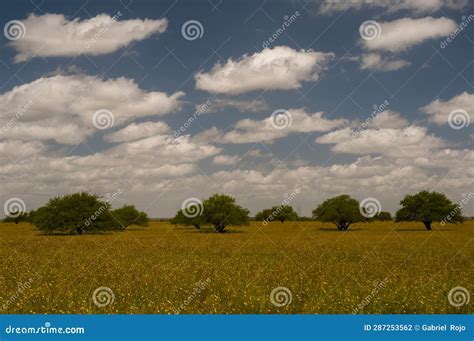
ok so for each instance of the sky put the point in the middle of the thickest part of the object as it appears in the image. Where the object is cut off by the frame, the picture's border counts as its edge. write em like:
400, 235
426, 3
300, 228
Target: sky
158, 103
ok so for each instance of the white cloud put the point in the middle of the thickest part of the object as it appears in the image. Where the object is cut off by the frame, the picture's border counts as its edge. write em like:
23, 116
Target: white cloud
61, 108
411, 141
401, 34
225, 160
439, 111
416, 6
52, 35
390, 119
278, 68
248, 130
136, 131
371, 61
220, 104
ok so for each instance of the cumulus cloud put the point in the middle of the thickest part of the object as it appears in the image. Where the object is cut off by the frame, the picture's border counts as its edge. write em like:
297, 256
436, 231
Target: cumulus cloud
375, 61
439, 111
401, 34
62, 108
225, 160
416, 6
244, 106
53, 35
136, 131
278, 68
390, 119
411, 141
248, 130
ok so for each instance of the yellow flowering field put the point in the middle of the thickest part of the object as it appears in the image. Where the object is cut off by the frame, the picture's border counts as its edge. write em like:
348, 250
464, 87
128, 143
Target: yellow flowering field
291, 267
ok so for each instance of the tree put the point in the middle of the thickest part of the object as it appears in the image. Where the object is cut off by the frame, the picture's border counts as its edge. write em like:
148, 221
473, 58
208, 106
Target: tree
284, 212
280, 213
76, 213
264, 214
341, 210
129, 215
383, 216
185, 219
428, 207
221, 210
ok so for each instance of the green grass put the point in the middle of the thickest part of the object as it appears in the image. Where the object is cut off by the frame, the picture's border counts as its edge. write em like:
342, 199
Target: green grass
154, 269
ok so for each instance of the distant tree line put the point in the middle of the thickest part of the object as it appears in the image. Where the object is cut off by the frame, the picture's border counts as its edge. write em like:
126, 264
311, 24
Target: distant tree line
81, 213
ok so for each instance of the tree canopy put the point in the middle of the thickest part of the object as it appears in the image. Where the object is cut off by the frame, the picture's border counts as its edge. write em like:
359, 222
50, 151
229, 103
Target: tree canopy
341, 210
383, 216
129, 215
281, 213
182, 218
221, 210
428, 207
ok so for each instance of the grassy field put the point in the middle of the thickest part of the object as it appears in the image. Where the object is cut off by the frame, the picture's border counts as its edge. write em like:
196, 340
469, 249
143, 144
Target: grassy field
373, 268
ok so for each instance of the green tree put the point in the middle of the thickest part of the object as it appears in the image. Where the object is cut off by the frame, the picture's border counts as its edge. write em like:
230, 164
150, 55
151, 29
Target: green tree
341, 210
185, 219
383, 216
264, 214
428, 207
221, 210
76, 213
283, 213
129, 215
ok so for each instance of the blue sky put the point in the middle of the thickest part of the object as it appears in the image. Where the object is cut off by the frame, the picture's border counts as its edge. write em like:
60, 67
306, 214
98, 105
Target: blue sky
319, 71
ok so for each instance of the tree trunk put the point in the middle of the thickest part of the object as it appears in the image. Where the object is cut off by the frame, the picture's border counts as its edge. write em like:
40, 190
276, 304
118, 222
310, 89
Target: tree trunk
427, 225
219, 228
